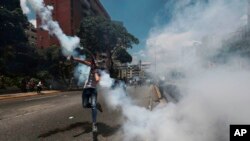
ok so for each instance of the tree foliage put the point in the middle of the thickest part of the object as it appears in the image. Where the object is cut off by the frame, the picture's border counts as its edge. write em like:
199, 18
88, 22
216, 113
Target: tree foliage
10, 4
12, 24
122, 55
14, 46
102, 35
52, 64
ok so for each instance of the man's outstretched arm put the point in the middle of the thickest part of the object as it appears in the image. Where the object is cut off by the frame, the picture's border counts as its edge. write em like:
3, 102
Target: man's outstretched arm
80, 61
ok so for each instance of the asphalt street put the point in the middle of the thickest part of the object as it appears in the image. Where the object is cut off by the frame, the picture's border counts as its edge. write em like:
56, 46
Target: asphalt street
61, 117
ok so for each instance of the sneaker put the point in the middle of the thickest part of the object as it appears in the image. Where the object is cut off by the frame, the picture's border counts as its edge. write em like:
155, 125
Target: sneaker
99, 107
94, 127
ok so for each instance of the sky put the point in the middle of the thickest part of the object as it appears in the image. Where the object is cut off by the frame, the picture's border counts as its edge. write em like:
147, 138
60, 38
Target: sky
138, 16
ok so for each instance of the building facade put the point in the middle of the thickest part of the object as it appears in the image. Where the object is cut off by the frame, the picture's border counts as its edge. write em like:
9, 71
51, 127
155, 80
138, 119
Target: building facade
69, 14
133, 71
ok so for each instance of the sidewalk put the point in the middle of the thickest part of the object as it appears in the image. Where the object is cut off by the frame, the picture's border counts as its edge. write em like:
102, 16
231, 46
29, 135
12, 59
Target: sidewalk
27, 94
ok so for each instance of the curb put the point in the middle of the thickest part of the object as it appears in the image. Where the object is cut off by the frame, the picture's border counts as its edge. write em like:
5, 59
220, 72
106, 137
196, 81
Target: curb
157, 91
161, 98
22, 95
158, 97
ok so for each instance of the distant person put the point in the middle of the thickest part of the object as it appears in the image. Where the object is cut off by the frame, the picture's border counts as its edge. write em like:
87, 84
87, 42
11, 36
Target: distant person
125, 80
89, 89
124, 87
135, 83
119, 84
50, 87
28, 86
2, 82
39, 87
115, 84
23, 85
131, 82
139, 82
32, 85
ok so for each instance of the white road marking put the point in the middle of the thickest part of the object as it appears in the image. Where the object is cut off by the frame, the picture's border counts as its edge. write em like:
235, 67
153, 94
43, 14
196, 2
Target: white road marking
71, 117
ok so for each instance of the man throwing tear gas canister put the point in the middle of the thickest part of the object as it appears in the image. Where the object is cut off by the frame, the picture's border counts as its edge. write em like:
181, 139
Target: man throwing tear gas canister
89, 94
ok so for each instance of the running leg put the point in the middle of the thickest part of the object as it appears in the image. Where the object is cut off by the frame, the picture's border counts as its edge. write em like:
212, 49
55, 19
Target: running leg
94, 109
93, 103
85, 98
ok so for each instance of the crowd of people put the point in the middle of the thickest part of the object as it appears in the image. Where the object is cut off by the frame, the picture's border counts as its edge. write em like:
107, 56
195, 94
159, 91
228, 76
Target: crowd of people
31, 85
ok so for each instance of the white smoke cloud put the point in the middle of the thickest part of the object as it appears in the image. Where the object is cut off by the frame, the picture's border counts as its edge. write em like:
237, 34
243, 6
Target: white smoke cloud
213, 97
25, 8
81, 73
106, 81
44, 12
202, 22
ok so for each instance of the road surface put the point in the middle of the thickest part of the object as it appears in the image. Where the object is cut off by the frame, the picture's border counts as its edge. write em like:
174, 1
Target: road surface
61, 117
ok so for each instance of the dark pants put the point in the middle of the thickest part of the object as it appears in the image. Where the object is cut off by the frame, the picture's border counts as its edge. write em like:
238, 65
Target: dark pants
89, 98
39, 89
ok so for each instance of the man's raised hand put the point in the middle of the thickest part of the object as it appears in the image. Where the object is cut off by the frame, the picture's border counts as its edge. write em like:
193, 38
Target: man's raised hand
70, 58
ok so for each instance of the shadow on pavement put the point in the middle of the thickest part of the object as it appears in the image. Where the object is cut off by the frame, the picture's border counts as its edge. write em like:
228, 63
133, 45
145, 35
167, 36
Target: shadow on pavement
85, 125
103, 129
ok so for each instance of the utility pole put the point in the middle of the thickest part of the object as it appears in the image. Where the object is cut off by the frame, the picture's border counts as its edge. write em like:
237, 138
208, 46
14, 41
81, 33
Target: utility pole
155, 58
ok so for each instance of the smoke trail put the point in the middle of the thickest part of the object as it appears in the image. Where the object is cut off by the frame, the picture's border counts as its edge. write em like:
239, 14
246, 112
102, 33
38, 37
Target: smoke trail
68, 43
25, 8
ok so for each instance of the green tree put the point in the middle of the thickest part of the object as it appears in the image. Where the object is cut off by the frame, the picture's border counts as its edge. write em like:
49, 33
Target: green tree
16, 57
53, 65
12, 25
10, 4
13, 41
98, 35
122, 55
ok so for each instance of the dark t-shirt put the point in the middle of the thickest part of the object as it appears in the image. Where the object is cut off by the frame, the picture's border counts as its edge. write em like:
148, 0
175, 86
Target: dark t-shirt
91, 81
